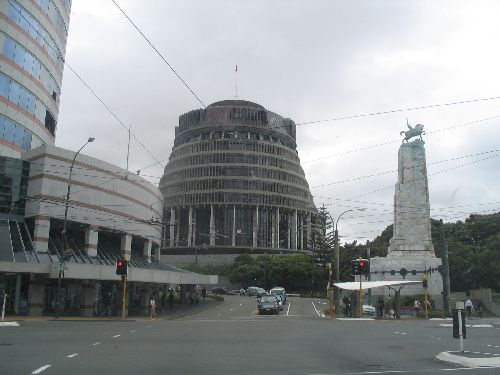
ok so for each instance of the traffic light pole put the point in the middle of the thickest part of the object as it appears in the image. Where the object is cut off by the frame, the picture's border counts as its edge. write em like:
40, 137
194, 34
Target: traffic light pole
124, 296
360, 299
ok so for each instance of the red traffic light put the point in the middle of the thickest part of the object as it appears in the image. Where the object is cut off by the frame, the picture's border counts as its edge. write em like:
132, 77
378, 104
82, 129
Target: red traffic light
361, 264
120, 263
122, 267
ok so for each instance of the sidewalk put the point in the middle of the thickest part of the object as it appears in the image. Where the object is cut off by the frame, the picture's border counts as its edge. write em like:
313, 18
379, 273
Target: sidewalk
176, 312
470, 359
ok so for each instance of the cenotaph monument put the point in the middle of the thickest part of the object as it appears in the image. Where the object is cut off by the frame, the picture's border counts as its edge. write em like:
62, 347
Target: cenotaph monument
411, 253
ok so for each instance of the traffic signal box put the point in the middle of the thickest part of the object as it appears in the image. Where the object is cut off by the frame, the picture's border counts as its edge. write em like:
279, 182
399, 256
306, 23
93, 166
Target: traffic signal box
122, 267
360, 267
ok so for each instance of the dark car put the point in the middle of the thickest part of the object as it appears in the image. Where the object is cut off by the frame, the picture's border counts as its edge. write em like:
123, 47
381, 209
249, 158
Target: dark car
268, 305
221, 290
261, 292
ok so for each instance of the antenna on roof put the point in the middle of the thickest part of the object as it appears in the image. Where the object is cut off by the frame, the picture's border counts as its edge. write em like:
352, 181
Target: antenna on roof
236, 80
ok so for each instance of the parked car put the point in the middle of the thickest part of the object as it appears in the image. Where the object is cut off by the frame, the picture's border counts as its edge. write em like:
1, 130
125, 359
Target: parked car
260, 292
221, 290
369, 310
268, 304
279, 291
251, 291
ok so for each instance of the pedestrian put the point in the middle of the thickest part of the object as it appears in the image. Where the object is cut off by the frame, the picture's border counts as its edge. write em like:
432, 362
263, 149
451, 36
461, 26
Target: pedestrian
380, 308
152, 304
171, 298
191, 297
416, 306
204, 293
469, 307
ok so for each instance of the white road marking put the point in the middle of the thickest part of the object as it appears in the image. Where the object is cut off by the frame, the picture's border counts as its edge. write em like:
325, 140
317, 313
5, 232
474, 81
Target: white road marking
9, 324
288, 310
231, 309
39, 370
133, 331
315, 309
115, 336
72, 355
96, 343
241, 304
447, 325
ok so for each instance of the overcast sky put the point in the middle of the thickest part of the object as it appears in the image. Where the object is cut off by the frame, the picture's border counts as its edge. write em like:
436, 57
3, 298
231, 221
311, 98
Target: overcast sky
306, 60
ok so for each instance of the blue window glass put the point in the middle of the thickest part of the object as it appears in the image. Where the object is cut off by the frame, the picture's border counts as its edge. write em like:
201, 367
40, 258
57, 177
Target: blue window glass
2, 126
23, 99
14, 92
19, 55
18, 136
36, 68
27, 140
8, 134
4, 86
14, 12
8, 48
31, 104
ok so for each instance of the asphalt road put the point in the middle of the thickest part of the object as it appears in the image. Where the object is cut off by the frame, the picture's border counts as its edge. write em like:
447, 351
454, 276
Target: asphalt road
231, 338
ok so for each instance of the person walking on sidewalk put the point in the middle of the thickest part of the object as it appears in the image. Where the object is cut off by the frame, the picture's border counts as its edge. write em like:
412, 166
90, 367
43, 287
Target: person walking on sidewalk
416, 306
152, 304
469, 307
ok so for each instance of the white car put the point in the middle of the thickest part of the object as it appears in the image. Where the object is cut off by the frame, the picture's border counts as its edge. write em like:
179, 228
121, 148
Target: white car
369, 310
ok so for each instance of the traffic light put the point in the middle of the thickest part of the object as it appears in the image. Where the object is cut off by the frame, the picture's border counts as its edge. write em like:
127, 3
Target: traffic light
364, 267
360, 267
355, 267
122, 267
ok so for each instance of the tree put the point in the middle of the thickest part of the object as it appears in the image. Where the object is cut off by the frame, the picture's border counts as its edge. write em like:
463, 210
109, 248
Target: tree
322, 239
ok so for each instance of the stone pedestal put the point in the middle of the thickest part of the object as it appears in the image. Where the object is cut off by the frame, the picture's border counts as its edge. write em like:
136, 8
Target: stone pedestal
390, 269
410, 251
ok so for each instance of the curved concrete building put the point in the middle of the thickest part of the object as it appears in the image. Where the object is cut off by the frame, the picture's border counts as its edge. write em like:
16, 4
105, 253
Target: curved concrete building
234, 183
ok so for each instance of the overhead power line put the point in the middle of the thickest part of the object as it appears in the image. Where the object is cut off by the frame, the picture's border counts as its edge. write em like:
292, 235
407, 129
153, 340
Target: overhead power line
86, 85
397, 110
159, 54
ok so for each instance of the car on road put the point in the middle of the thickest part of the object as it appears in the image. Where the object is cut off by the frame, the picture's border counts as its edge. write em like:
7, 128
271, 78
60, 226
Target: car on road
279, 291
369, 310
251, 291
260, 292
221, 290
268, 304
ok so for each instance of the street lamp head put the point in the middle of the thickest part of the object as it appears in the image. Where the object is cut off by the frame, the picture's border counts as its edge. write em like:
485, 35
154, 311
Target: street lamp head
91, 139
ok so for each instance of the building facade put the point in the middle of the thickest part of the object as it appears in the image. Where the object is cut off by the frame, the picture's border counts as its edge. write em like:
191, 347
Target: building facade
234, 183
109, 218
33, 36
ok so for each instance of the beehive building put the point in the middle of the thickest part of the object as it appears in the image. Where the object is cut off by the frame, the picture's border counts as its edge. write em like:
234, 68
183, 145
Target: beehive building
234, 183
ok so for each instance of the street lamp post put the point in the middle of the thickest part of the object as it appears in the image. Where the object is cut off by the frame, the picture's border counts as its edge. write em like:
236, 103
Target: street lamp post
336, 256
65, 255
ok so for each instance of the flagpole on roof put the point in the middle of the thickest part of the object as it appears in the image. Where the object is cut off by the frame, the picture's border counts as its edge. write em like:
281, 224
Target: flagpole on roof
236, 81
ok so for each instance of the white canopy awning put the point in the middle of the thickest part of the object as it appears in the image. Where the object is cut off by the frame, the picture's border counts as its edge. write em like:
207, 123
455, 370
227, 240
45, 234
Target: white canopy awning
354, 285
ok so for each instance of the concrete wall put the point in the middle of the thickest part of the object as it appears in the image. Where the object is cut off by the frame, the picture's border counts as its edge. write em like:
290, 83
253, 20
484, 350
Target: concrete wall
102, 195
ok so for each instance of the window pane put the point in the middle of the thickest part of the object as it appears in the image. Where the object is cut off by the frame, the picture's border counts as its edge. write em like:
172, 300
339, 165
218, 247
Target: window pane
14, 92
4, 86
27, 140
18, 136
8, 48
9, 131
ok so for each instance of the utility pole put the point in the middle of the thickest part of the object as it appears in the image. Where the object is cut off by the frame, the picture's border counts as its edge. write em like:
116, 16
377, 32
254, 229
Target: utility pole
446, 269
369, 278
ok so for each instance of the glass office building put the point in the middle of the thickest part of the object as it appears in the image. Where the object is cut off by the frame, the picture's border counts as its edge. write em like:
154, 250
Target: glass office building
234, 180
33, 37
